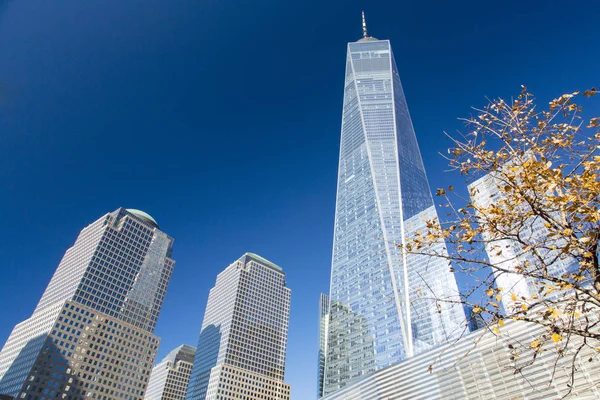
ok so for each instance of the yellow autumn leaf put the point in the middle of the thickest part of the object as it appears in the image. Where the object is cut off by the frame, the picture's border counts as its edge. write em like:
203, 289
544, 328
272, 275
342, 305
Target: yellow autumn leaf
513, 297
477, 309
496, 330
524, 307
501, 322
535, 344
556, 337
498, 297
490, 292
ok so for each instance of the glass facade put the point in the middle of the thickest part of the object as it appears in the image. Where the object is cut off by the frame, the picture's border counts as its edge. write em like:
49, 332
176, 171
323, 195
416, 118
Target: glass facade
381, 310
486, 192
91, 334
242, 343
323, 328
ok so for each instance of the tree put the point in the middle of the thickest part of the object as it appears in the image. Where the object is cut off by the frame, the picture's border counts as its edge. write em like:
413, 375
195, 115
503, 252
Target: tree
528, 235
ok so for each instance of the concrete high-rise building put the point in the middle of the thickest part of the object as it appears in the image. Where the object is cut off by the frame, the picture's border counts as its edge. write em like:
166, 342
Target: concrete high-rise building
382, 309
170, 378
509, 254
242, 344
91, 334
323, 325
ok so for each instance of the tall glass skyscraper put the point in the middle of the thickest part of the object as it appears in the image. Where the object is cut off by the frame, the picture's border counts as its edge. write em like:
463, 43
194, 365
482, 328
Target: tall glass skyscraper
381, 306
242, 343
91, 334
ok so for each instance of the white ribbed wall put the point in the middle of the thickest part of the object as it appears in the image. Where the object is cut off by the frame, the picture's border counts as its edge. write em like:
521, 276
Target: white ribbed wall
486, 372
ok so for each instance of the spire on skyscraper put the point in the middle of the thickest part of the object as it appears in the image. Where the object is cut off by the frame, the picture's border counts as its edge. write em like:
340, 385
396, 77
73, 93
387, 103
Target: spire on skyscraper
364, 26
365, 36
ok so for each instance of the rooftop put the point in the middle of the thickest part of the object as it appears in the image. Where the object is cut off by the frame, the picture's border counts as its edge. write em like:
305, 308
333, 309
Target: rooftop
262, 260
144, 216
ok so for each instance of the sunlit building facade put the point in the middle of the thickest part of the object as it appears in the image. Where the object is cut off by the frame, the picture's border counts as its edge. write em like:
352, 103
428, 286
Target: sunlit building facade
381, 307
170, 377
509, 254
91, 334
242, 345
481, 366
323, 328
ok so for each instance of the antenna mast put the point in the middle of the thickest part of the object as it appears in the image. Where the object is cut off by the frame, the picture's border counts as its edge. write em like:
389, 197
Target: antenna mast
364, 26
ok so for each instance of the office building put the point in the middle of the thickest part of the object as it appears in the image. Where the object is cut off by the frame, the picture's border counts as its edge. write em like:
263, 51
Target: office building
91, 334
382, 309
242, 344
170, 377
509, 254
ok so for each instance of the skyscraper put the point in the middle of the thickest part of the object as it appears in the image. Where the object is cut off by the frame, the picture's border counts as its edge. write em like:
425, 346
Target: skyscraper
170, 378
381, 309
91, 334
508, 254
242, 343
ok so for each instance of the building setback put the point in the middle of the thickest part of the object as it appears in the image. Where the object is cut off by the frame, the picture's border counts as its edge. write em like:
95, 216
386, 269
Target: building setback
242, 344
170, 378
91, 334
381, 299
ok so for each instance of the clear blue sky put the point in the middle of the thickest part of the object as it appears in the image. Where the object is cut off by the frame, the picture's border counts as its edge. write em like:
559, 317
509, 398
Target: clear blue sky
222, 119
